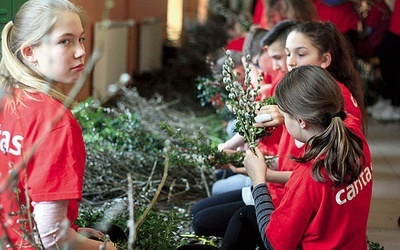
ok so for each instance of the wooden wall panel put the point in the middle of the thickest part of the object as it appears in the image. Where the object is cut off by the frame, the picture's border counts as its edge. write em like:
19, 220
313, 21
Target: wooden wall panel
122, 10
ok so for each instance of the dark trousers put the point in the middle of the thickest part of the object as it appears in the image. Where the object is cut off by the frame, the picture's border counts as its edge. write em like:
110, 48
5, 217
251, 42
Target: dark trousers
242, 232
212, 215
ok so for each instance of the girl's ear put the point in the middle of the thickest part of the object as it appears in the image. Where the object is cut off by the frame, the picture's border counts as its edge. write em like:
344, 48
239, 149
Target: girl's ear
27, 53
326, 60
302, 123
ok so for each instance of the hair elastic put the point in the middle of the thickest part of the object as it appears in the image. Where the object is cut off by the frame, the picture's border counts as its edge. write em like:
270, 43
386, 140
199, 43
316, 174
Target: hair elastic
340, 114
328, 117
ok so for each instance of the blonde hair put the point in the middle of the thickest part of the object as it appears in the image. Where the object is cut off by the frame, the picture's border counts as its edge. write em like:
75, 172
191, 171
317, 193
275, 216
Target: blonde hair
32, 22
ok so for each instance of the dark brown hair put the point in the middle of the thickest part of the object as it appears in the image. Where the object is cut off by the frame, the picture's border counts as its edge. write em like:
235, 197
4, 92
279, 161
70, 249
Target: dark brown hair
327, 38
312, 94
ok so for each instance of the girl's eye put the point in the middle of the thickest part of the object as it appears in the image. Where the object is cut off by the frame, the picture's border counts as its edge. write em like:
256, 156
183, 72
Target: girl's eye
65, 42
82, 39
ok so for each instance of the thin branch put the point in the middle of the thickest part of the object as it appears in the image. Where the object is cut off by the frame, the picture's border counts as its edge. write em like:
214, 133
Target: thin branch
160, 186
131, 207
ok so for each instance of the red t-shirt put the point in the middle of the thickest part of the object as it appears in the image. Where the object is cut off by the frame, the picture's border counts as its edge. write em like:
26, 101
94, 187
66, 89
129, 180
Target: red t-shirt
275, 18
344, 16
269, 144
236, 44
288, 146
394, 25
314, 215
56, 169
258, 10
377, 23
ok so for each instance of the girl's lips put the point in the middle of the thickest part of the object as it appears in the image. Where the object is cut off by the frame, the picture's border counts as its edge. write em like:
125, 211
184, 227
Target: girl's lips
79, 67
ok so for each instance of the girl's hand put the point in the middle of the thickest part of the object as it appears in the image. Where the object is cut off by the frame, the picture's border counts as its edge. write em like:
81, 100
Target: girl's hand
91, 239
255, 166
240, 170
91, 233
277, 118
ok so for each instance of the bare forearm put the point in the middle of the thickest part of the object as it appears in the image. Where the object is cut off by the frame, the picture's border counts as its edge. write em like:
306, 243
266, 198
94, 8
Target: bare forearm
50, 218
280, 177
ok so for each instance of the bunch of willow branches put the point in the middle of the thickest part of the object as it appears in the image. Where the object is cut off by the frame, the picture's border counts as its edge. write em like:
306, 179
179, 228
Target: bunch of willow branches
242, 99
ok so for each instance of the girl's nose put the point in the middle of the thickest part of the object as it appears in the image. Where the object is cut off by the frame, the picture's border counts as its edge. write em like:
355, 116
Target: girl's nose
80, 52
291, 61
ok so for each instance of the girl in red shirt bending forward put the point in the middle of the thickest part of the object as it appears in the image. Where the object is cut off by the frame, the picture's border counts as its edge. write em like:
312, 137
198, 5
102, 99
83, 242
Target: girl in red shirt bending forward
327, 198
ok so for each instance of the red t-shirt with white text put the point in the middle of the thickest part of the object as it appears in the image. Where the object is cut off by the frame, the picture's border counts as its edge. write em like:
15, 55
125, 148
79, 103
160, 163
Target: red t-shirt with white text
56, 168
288, 146
315, 215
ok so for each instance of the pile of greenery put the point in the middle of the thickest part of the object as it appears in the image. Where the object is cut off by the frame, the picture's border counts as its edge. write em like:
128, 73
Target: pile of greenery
133, 139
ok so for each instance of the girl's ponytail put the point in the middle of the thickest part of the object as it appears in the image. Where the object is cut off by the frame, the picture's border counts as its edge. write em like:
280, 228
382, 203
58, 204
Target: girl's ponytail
336, 148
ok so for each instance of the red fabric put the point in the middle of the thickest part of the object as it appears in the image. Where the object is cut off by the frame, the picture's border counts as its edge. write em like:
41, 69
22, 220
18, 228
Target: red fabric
276, 18
269, 145
56, 169
344, 16
374, 14
378, 20
258, 10
276, 79
288, 146
271, 81
314, 215
350, 104
394, 25
236, 44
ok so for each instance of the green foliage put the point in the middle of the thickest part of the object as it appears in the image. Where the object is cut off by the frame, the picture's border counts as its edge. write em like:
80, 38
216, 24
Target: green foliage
212, 90
160, 230
374, 246
198, 150
128, 137
105, 126
261, 132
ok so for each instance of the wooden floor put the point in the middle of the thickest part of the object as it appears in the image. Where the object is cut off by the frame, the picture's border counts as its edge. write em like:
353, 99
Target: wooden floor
384, 141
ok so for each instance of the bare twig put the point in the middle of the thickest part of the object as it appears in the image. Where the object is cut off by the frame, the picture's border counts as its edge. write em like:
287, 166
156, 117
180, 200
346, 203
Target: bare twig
204, 179
131, 222
160, 186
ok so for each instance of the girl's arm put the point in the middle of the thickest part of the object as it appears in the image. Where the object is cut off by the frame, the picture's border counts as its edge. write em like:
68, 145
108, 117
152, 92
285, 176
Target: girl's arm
280, 177
51, 218
264, 208
233, 143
